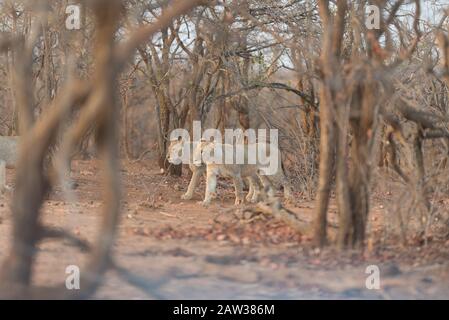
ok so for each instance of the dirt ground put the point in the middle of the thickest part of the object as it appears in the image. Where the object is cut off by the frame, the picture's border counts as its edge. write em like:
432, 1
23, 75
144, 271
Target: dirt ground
185, 251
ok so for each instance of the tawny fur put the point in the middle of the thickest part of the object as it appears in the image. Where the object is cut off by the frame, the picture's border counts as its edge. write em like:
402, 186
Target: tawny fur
237, 172
176, 147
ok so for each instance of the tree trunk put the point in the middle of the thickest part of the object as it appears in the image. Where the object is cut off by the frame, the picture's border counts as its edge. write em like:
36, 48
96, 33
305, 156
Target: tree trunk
327, 147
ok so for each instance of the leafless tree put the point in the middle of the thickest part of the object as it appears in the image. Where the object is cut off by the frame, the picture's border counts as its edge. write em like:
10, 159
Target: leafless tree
98, 107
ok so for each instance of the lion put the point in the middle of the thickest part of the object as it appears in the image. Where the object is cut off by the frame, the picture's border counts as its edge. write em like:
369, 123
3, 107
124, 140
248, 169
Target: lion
253, 172
175, 151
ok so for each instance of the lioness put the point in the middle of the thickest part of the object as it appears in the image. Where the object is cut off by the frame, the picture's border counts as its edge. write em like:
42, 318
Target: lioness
208, 152
175, 151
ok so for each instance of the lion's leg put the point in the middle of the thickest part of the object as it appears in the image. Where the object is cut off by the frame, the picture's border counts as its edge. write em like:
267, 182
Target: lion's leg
196, 174
288, 194
254, 197
267, 185
238, 184
285, 183
211, 186
251, 190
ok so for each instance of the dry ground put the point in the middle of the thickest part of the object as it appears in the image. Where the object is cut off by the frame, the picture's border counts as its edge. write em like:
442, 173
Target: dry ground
189, 252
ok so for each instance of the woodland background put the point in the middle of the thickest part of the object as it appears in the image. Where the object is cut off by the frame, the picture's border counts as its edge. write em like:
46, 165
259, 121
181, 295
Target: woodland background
359, 111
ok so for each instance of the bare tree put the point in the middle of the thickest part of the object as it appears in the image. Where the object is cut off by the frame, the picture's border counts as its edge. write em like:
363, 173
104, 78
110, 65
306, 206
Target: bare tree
99, 108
